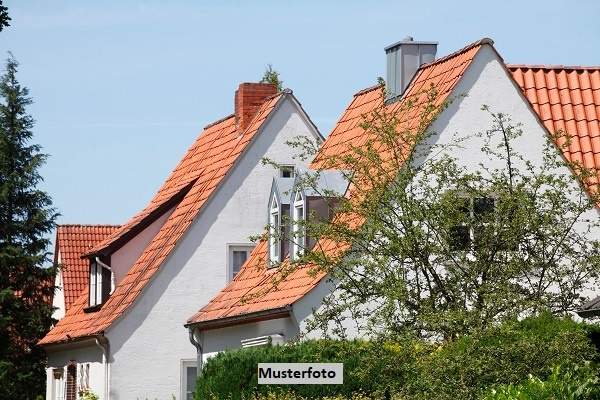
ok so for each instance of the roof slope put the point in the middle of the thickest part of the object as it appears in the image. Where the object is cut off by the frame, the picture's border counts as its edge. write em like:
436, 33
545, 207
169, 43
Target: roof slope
203, 167
253, 289
72, 241
566, 99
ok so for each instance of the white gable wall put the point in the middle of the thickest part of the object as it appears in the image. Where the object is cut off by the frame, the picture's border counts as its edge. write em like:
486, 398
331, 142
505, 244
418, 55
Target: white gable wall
149, 342
485, 82
58, 301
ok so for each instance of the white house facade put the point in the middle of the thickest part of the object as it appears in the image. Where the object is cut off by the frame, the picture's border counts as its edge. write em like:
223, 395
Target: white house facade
179, 251
469, 78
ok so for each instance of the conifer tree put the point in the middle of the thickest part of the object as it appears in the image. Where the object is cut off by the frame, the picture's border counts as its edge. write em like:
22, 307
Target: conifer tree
26, 219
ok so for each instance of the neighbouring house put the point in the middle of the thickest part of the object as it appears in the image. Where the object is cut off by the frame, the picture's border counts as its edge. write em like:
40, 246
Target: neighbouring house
251, 310
73, 241
122, 338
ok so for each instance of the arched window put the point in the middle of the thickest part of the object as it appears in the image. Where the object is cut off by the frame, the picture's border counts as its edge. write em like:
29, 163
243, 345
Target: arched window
274, 231
298, 234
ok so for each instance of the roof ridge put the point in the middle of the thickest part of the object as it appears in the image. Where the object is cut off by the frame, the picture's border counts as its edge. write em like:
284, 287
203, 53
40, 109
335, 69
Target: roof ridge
89, 225
368, 89
468, 47
219, 121
553, 66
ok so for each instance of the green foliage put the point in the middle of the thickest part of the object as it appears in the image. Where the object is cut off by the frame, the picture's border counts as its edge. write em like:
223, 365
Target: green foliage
233, 374
464, 368
410, 369
272, 76
88, 394
438, 246
26, 218
574, 383
4, 18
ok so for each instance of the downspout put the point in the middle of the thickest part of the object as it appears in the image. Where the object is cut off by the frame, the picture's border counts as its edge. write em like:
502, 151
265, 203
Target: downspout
198, 347
102, 343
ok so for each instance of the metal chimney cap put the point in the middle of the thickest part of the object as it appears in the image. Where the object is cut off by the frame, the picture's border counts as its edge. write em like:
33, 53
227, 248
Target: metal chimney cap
407, 41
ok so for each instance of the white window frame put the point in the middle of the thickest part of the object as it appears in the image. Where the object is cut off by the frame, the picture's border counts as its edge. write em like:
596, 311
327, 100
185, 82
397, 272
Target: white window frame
298, 234
231, 247
274, 231
59, 386
285, 168
95, 288
185, 364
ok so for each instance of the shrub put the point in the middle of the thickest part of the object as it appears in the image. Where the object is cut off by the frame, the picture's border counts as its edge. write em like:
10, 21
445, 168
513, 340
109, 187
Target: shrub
372, 367
462, 369
579, 383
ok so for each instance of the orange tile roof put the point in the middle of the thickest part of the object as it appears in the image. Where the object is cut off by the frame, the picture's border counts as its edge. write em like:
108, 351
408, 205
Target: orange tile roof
72, 241
566, 99
253, 289
199, 173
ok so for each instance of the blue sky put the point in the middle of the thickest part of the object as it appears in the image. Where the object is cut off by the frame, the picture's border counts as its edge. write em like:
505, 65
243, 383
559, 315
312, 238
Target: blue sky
122, 88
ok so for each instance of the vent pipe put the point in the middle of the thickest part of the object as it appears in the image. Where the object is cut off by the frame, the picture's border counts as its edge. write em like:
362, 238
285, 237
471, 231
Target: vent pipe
403, 61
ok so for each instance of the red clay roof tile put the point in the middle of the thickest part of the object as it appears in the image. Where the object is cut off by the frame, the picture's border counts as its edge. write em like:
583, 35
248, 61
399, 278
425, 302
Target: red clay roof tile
72, 241
203, 167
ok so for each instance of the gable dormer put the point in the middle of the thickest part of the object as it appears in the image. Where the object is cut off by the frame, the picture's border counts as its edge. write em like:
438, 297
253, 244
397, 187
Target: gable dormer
277, 217
313, 195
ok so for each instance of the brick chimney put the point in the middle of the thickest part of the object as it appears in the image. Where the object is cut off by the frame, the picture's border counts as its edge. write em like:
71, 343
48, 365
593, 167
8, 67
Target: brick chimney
248, 99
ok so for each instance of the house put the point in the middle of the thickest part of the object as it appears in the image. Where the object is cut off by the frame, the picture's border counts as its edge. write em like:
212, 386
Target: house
122, 338
251, 310
72, 241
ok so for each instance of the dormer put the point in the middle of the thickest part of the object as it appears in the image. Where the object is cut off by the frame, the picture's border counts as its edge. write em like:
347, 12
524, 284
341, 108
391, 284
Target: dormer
101, 282
313, 195
278, 212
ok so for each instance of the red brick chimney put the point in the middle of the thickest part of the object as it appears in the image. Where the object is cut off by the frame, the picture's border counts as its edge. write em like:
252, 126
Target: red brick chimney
248, 99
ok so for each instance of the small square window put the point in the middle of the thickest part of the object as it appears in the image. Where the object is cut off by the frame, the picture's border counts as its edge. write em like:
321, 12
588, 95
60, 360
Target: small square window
483, 206
287, 171
237, 256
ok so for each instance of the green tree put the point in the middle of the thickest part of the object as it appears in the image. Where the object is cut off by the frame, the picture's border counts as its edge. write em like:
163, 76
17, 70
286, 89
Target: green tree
26, 218
4, 18
434, 247
272, 76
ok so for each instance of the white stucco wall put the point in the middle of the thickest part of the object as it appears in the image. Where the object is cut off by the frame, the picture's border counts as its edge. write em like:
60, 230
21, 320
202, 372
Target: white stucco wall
217, 340
58, 301
484, 83
149, 342
81, 355
122, 259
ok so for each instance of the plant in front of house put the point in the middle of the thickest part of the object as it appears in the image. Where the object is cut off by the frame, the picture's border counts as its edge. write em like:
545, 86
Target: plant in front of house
87, 394
429, 244
26, 218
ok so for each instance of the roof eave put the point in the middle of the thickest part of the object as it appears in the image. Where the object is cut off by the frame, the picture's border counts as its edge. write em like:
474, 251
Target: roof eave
241, 319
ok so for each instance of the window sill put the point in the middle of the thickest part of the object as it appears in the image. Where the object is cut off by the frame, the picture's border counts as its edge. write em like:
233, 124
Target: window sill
92, 309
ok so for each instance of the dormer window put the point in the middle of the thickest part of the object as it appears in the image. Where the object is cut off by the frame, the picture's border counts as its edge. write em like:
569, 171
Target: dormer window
101, 283
274, 231
298, 234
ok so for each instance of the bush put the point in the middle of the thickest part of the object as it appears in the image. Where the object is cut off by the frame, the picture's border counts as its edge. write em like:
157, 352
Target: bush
579, 383
369, 367
463, 369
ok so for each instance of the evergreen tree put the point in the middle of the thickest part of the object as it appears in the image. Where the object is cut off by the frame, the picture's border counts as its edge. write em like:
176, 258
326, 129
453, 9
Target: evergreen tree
4, 18
26, 218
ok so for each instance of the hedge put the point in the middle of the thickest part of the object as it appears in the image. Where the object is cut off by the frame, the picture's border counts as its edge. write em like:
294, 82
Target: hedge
417, 370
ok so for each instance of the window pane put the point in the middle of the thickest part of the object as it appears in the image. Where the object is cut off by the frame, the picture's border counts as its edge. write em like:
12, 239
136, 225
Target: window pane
190, 382
239, 257
460, 238
287, 171
483, 206
92, 288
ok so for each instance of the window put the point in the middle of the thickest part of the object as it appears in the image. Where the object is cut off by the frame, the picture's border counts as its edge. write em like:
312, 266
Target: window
274, 231
237, 254
298, 236
474, 214
58, 384
101, 283
189, 375
287, 171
